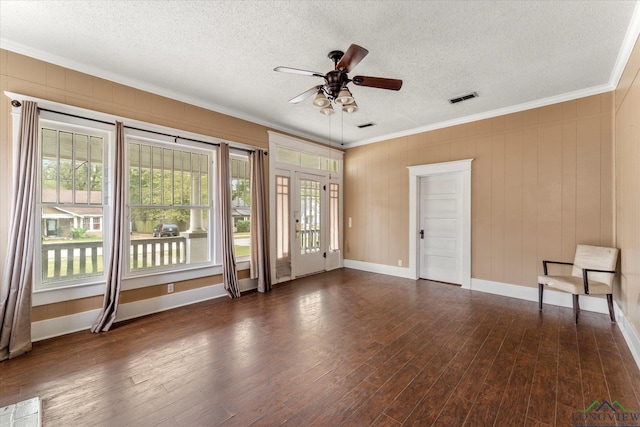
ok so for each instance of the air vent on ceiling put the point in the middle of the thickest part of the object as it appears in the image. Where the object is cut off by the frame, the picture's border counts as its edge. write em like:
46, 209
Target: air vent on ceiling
366, 125
463, 98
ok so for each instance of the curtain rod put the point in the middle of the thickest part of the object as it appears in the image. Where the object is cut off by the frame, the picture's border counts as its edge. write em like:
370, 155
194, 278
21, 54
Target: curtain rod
17, 103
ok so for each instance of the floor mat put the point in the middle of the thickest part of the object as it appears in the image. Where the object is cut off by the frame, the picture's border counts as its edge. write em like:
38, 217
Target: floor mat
24, 414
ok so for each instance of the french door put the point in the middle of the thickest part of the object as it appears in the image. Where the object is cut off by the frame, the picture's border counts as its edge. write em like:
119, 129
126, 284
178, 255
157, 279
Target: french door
309, 217
307, 224
305, 182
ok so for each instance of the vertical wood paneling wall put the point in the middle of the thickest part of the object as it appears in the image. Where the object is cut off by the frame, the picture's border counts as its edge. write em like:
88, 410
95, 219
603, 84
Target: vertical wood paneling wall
542, 181
627, 165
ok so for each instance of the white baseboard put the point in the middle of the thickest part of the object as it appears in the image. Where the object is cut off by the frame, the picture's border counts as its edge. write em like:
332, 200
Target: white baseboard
631, 336
82, 321
57, 326
389, 270
596, 304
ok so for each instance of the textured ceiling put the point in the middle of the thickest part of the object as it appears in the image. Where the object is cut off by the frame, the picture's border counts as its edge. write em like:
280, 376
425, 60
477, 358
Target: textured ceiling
221, 54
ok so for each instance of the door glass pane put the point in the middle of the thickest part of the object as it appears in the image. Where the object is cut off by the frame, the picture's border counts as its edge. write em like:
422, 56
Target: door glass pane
334, 231
288, 156
309, 161
309, 227
283, 255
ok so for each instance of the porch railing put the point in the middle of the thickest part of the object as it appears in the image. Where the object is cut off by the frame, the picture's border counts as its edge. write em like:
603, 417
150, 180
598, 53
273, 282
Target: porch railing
146, 253
71, 260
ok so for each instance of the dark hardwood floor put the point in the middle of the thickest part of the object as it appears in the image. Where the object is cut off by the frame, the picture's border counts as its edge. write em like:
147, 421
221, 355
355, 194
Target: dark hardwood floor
340, 348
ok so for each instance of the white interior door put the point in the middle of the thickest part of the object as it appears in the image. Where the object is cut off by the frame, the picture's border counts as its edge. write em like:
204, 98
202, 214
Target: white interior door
309, 214
441, 227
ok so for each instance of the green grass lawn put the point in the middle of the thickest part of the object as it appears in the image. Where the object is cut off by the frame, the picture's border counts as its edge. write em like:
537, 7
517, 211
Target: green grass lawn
76, 268
242, 251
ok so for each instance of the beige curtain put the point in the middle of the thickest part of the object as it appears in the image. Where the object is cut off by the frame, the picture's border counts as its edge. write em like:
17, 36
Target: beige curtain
229, 273
17, 283
118, 226
259, 223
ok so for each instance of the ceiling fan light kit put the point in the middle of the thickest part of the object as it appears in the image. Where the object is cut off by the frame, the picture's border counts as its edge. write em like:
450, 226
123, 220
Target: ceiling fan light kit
344, 97
350, 108
321, 101
328, 110
335, 88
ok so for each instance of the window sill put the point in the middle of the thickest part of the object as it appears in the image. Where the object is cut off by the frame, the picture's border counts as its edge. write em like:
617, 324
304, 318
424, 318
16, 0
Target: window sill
54, 295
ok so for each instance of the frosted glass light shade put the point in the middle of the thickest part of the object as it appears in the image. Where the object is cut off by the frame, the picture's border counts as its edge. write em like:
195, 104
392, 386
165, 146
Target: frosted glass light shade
344, 97
321, 100
327, 111
350, 108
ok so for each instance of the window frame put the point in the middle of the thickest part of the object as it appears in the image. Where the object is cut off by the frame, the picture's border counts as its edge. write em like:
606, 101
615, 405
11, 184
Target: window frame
136, 136
49, 122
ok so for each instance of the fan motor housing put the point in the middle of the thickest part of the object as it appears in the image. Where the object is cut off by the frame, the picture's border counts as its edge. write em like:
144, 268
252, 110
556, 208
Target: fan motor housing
336, 79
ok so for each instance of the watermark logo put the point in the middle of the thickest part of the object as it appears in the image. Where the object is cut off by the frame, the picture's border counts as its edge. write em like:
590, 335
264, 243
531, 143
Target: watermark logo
605, 413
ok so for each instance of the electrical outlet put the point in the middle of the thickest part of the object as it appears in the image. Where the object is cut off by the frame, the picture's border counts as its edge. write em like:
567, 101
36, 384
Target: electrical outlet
399, 263
170, 288
350, 222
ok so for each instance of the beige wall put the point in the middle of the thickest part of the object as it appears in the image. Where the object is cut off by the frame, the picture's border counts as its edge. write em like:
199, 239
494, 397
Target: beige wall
627, 165
542, 181
28, 76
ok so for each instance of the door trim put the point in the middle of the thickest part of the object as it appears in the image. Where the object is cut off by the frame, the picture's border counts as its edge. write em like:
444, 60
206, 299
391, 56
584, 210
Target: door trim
415, 173
277, 140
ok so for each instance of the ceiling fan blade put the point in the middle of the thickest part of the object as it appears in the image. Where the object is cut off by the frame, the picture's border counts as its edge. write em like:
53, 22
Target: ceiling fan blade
379, 82
305, 95
297, 71
352, 57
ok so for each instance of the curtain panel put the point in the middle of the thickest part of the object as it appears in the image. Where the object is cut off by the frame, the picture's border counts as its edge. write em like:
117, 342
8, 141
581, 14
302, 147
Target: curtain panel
17, 282
229, 273
117, 254
259, 223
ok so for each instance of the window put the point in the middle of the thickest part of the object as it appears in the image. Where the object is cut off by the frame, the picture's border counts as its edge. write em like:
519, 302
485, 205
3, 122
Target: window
169, 204
71, 172
307, 160
310, 227
92, 223
334, 217
240, 176
169, 188
283, 255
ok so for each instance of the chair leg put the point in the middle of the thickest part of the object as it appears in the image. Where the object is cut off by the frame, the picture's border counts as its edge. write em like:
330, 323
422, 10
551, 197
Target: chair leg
540, 291
576, 307
610, 304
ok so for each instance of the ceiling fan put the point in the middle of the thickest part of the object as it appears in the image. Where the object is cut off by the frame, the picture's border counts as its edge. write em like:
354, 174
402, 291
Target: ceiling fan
335, 87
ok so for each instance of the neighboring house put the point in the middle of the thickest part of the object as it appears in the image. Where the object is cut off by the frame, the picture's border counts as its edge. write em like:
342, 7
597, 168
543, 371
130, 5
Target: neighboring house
58, 222
240, 212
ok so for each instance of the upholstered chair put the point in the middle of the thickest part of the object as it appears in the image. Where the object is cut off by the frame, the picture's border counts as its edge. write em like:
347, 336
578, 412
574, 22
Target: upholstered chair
592, 274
